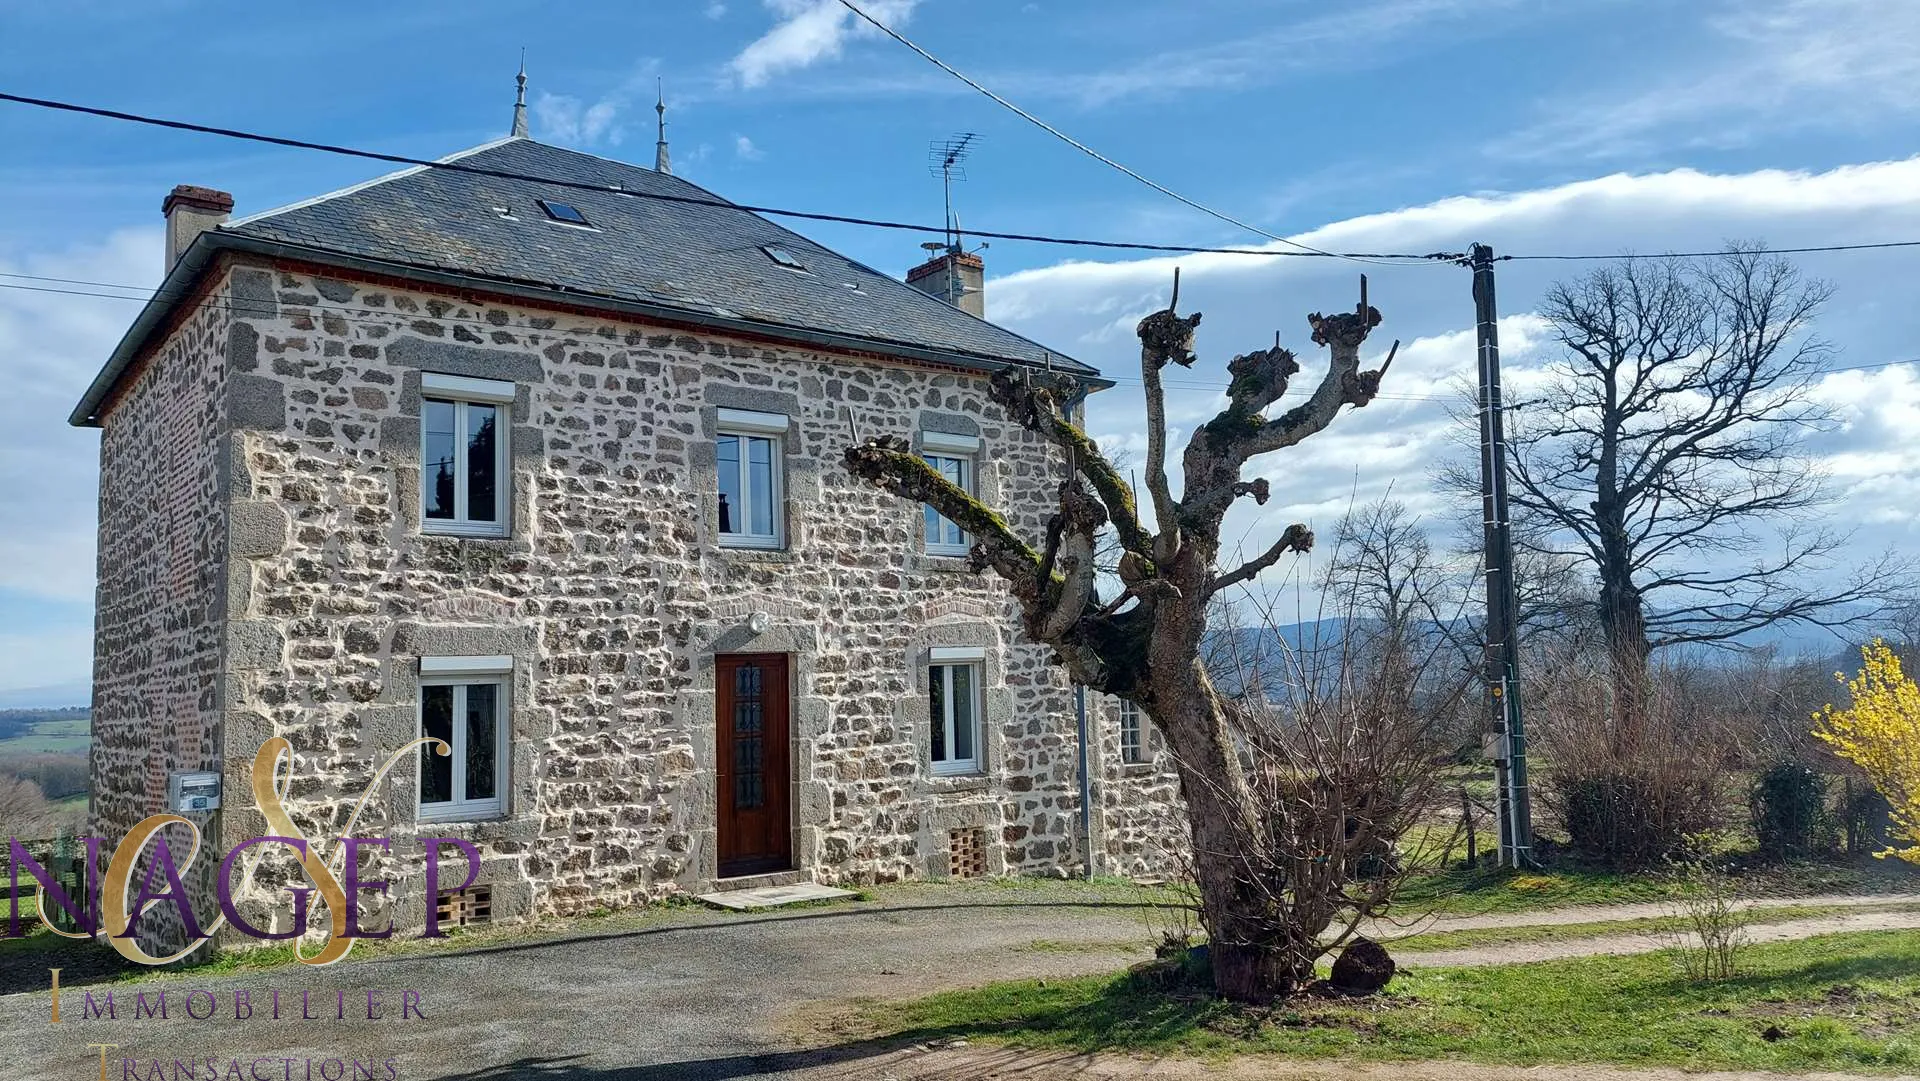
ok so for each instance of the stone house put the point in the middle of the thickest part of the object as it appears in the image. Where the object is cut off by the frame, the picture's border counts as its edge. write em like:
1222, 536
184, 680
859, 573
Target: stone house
550, 469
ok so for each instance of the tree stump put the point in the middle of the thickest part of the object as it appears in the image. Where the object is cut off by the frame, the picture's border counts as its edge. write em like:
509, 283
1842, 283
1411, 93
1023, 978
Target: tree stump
1362, 968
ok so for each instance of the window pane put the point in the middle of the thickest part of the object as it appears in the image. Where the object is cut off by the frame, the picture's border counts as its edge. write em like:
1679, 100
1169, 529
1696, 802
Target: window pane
436, 459
481, 457
436, 720
728, 459
760, 477
937, 710
963, 718
935, 525
483, 714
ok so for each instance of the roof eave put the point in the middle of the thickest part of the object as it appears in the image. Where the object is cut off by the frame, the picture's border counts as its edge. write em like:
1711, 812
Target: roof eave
202, 252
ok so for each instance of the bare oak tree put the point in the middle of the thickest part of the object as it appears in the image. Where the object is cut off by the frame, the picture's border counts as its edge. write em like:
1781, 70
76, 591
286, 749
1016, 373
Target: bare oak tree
1665, 453
1144, 644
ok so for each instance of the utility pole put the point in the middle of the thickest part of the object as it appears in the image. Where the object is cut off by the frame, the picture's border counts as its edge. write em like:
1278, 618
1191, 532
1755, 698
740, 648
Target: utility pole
1502, 647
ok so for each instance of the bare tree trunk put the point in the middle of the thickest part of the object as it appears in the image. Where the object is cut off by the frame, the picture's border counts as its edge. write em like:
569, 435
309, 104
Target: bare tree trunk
1144, 644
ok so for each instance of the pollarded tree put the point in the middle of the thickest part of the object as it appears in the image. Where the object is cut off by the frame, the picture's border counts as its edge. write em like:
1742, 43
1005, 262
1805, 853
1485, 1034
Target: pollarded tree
1144, 644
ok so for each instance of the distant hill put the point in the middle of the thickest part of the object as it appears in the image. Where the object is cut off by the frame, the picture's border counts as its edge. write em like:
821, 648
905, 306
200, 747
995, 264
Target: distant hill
52, 696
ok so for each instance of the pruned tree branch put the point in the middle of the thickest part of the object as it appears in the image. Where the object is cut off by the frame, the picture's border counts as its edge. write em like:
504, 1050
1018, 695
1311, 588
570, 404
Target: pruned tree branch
1296, 538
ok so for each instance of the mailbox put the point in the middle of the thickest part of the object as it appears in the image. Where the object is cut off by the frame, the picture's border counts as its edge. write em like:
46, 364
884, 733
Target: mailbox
189, 792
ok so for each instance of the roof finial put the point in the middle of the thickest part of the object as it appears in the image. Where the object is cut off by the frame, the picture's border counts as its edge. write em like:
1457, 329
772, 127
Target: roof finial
520, 100
661, 163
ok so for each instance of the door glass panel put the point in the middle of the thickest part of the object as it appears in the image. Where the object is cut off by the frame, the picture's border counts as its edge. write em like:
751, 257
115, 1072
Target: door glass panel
483, 711
481, 458
749, 739
963, 719
437, 459
760, 477
436, 720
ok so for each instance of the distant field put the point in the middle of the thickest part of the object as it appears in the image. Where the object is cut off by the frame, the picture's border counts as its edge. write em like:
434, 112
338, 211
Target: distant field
65, 736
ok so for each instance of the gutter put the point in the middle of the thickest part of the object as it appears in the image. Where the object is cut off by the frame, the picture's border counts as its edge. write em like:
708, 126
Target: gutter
201, 254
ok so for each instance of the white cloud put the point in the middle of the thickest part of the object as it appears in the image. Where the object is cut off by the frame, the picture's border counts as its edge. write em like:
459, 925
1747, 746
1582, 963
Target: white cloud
1089, 308
808, 31
561, 118
744, 149
716, 10
1770, 68
565, 119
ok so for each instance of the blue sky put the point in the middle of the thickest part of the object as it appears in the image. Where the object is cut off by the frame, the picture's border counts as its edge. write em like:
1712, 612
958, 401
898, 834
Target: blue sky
1533, 125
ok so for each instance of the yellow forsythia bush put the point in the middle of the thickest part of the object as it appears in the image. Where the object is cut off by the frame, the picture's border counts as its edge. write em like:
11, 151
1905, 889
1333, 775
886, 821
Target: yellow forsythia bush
1880, 733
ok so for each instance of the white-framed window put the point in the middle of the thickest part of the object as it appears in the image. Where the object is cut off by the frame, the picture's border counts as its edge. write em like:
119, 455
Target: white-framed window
464, 701
1132, 750
953, 457
749, 460
953, 709
465, 474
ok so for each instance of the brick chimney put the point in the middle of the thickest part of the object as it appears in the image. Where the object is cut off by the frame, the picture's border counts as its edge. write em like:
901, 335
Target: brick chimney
192, 210
955, 276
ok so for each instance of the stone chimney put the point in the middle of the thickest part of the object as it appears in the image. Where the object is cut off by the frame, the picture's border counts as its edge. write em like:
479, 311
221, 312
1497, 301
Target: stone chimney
192, 210
955, 276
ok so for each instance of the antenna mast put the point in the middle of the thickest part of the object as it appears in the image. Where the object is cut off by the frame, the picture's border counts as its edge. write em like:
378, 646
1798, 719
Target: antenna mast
946, 158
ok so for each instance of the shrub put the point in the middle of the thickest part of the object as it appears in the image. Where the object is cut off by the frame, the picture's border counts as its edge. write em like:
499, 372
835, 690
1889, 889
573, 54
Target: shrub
1879, 731
1789, 805
1715, 923
1866, 819
1629, 791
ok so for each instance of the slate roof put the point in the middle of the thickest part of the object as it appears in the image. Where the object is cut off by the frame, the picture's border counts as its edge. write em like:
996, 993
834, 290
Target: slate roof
707, 261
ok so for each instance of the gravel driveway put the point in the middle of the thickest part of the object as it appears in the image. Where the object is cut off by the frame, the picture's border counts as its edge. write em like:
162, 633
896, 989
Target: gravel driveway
687, 995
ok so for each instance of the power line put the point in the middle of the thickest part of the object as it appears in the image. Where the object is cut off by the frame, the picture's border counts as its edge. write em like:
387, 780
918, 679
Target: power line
144, 294
1715, 254
1304, 249
1391, 258
688, 200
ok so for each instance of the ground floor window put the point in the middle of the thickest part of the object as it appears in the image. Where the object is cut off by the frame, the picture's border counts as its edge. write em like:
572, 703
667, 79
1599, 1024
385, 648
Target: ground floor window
463, 702
953, 710
1132, 752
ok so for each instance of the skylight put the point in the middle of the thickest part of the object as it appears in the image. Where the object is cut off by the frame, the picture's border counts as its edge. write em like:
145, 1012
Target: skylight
563, 213
783, 257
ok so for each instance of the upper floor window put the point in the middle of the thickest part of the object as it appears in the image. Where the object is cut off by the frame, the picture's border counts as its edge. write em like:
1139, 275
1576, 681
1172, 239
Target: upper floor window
1132, 749
953, 709
464, 473
748, 458
953, 457
463, 703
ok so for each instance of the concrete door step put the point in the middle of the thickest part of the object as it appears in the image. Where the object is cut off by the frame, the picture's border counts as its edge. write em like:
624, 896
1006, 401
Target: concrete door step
775, 896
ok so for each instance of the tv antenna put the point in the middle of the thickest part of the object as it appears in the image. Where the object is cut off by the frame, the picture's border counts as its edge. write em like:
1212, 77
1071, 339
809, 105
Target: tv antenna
946, 159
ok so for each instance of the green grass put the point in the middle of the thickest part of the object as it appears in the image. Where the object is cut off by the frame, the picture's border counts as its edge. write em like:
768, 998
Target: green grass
1460, 891
1841, 1002
51, 737
1469, 938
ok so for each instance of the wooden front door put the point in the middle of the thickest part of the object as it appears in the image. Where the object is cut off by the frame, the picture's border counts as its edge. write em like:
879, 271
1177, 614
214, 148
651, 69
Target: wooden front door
753, 773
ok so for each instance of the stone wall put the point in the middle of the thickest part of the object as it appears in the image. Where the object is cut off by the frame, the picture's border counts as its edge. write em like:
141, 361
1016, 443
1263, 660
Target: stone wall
160, 590
612, 595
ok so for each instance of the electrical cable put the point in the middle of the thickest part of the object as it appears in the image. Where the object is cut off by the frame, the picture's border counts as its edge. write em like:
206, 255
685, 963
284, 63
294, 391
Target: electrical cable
1391, 259
1305, 249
